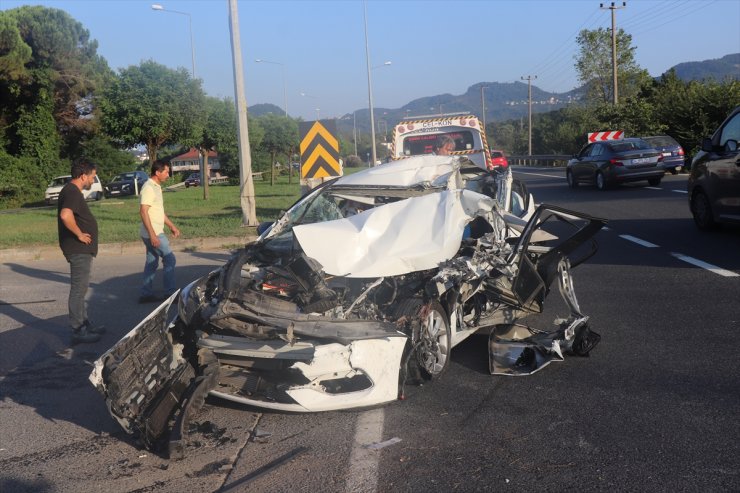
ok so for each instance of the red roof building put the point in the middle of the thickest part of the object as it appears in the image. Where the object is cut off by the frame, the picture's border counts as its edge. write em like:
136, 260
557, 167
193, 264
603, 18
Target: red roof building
190, 161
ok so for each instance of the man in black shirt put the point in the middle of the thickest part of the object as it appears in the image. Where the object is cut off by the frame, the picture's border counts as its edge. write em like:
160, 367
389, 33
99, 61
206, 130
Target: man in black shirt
78, 239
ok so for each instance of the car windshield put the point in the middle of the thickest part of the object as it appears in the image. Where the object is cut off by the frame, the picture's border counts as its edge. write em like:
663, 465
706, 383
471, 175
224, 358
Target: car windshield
60, 181
661, 141
124, 176
628, 145
416, 145
497, 154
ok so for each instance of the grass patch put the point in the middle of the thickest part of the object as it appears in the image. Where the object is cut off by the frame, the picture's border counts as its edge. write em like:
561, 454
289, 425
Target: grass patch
118, 218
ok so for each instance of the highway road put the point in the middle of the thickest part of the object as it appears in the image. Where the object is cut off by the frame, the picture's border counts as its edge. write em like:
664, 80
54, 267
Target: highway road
654, 407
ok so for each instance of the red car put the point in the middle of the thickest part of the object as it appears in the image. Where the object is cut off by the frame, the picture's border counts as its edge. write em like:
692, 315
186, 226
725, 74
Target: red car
498, 158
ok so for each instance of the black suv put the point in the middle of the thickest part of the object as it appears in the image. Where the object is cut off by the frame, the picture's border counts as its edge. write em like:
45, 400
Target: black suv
714, 182
126, 184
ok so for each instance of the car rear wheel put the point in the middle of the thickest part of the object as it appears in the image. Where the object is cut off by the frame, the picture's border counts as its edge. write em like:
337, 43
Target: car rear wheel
601, 181
572, 182
701, 209
654, 182
674, 171
430, 336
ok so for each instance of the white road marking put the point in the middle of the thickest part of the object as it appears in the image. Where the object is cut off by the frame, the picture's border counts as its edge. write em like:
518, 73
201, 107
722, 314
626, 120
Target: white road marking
680, 191
704, 265
363, 462
538, 174
654, 188
639, 241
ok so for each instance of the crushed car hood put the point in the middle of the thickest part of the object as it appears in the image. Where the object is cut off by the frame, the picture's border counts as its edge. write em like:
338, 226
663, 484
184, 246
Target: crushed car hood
394, 239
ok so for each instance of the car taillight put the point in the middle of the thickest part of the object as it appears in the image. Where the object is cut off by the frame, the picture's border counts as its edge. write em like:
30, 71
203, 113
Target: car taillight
616, 162
680, 151
660, 158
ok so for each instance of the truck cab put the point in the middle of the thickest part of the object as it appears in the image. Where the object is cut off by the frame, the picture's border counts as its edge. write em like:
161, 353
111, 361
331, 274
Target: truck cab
419, 135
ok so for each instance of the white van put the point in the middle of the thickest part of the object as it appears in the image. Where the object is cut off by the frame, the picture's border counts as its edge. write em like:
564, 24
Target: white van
56, 185
414, 136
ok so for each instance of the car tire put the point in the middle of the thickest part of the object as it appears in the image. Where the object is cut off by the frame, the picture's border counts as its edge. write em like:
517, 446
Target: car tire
701, 209
431, 338
601, 183
98, 195
654, 182
572, 182
675, 171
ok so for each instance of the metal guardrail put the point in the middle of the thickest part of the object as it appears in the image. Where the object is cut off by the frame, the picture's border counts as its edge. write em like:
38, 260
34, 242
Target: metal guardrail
540, 160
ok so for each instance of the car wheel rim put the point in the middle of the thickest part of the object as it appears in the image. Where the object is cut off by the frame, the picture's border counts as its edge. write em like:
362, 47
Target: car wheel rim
433, 350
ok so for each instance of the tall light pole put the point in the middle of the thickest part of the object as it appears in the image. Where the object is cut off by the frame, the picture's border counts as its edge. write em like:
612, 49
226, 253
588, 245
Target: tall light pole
318, 110
156, 6
529, 82
370, 86
613, 8
354, 129
246, 184
285, 84
483, 103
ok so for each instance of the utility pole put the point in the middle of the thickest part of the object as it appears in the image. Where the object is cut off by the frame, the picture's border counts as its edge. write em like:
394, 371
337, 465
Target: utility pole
246, 193
529, 129
613, 7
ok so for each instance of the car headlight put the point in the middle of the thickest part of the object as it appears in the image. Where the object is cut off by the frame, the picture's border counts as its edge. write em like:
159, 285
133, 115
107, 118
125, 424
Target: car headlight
190, 300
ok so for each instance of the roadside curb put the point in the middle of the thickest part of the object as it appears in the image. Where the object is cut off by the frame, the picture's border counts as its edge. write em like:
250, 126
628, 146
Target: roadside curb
46, 252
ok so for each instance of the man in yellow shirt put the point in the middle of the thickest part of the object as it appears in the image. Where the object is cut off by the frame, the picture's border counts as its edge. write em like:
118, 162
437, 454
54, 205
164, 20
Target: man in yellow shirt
153, 220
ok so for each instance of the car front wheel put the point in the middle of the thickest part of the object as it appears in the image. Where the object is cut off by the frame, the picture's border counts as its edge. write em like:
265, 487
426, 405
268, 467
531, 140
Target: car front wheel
430, 336
572, 182
701, 209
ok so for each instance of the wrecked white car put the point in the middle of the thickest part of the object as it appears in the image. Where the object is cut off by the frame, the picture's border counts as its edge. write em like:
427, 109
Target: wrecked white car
362, 287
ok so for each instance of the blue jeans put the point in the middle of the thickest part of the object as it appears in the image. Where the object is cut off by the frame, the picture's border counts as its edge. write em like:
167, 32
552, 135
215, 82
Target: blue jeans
80, 265
152, 262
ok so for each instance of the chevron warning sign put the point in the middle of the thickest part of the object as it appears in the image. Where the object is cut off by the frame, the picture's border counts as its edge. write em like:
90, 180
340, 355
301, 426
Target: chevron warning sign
608, 135
319, 149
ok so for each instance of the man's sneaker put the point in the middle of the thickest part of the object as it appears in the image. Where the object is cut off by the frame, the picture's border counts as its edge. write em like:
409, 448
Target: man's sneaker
82, 336
149, 298
98, 329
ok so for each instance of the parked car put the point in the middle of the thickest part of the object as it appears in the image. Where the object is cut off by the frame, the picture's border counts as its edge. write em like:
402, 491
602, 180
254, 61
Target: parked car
193, 180
616, 161
714, 179
498, 158
126, 184
362, 287
52, 192
673, 155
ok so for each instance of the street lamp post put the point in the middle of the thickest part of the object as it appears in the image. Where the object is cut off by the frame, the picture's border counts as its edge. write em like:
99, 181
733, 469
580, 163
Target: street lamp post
156, 6
318, 110
370, 86
285, 84
483, 103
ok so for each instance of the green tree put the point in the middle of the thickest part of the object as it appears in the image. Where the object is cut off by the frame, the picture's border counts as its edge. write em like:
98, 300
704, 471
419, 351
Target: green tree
281, 137
594, 65
153, 105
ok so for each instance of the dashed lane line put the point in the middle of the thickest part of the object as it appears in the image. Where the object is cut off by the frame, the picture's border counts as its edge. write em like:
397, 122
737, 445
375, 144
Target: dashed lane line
680, 191
539, 174
639, 241
363, 469
704, 265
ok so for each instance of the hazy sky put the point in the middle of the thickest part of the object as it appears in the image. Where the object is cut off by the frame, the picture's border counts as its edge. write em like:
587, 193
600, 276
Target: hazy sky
435, 47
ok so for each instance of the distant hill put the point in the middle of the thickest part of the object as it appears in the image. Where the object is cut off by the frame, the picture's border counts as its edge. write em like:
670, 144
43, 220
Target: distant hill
503, 100
718, 69
264, 109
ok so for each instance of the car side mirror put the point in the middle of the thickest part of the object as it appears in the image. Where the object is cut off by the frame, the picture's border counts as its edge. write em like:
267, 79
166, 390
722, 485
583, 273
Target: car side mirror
706, 144
731, 145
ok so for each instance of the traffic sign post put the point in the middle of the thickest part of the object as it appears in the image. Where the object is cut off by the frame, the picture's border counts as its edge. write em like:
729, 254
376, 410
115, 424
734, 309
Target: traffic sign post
319, 152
